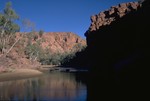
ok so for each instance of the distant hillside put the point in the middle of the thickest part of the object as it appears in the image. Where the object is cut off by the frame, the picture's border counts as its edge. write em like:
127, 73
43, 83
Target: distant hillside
54, 41
47, 48
62, 42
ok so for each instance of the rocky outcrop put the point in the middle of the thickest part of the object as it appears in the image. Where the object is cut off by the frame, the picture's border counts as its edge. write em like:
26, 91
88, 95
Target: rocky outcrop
119, 51
114, 13
53, 41
62, 41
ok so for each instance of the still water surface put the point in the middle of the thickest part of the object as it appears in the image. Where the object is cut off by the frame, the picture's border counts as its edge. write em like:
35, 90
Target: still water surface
55, 86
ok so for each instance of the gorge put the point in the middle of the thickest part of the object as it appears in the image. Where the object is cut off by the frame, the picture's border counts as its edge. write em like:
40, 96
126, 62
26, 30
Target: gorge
116, 53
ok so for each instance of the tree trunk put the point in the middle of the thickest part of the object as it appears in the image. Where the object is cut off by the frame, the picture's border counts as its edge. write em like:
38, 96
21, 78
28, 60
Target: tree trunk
12, 46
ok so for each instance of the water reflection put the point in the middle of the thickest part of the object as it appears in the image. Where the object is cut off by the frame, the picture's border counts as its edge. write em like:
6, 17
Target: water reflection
50, 87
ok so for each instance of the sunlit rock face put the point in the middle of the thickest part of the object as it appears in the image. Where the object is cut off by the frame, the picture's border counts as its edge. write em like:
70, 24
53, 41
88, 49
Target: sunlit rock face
115, 12
62, 41
55, 41
117, 40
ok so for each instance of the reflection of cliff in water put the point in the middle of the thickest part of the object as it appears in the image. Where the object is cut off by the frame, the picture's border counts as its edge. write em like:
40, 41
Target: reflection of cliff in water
51, 87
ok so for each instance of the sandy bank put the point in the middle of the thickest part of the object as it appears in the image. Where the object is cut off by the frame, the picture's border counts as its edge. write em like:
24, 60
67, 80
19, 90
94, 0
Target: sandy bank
19, 74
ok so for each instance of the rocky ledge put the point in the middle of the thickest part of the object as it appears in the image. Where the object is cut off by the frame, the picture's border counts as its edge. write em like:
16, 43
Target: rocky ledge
115, 12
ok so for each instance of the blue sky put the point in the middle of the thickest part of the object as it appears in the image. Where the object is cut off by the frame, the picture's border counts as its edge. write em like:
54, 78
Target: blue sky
60, 15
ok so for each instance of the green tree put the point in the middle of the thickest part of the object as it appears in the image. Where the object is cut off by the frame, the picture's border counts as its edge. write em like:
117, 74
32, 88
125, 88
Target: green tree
8, 27
33, 51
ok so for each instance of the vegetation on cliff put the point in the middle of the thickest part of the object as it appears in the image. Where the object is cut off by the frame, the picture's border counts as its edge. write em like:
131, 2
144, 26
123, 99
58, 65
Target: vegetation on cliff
53, 48
30, 49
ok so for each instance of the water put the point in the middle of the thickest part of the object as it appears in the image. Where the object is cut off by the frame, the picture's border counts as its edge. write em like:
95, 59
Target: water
55, 86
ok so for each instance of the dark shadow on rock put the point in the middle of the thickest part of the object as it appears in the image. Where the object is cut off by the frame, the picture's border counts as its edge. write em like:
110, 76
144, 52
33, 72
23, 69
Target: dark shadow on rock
119, 56
80, 61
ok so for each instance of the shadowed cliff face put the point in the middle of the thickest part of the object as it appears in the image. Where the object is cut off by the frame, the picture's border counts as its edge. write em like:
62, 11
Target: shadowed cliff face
119, 49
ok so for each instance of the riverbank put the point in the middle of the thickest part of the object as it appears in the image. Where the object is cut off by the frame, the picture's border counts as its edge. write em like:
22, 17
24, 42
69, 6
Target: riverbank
15, 74
19, 74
